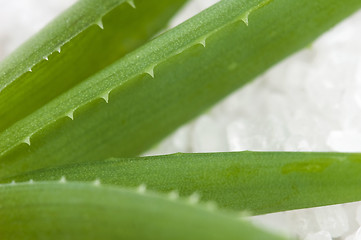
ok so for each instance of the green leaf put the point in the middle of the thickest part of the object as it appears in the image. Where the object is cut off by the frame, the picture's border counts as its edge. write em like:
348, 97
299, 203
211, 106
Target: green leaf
122, 110
83, 40
59, 210
258, 182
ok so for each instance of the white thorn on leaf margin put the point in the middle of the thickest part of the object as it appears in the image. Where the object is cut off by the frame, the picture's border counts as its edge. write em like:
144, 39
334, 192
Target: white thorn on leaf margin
194, 198
244, 18
131, 3
27, 140
100, 24
173, 195
150, 72
62, 179
203, 42
142, 188
105, 96
70, 115
96, 182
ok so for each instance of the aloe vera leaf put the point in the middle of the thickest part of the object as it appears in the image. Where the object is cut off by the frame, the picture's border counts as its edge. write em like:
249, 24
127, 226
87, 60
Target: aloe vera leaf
122, 110
92, 211
257, 182
83, 40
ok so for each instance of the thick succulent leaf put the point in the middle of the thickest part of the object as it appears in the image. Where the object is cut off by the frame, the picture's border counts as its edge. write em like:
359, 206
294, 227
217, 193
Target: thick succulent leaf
123, 110
258, 182
83, 40
92, 211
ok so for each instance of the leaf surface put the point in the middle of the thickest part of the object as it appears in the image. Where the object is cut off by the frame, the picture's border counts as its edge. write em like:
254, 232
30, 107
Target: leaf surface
122, 110
83, 40
92, 211
259, 182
